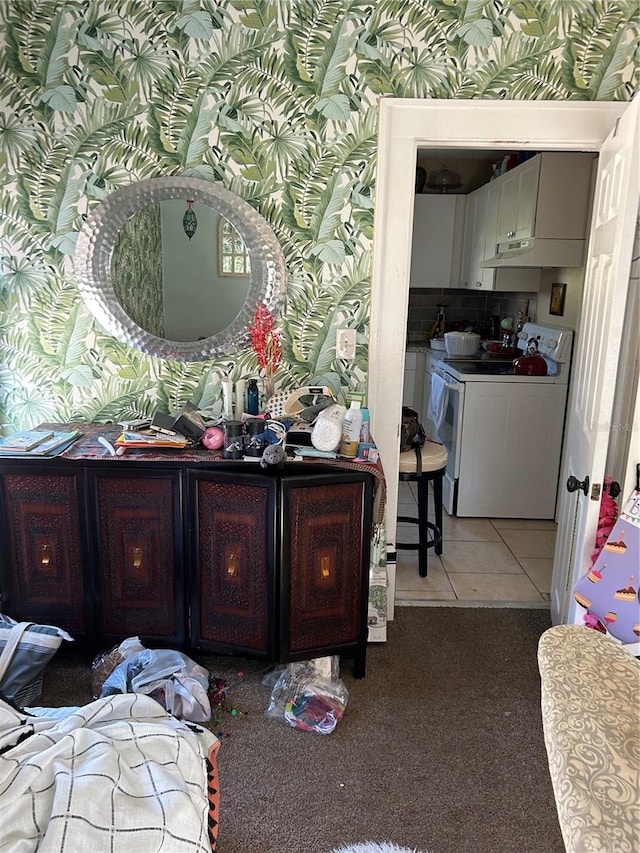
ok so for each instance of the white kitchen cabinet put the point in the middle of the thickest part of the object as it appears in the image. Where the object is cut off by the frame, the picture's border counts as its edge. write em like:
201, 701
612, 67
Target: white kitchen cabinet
480, 239
547, 196
436, 252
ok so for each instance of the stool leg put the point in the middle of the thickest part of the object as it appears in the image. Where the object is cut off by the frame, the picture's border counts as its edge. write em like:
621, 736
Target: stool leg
437, 501
423, 530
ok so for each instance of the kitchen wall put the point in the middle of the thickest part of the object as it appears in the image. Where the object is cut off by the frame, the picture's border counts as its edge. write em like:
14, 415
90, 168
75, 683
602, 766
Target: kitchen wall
464, 306
573, 278
277, 101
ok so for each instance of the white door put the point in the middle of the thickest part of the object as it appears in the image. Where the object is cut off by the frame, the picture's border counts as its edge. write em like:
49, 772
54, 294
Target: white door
596, 361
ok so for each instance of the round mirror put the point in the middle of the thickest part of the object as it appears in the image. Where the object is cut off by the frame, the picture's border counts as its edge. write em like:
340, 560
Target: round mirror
175, 266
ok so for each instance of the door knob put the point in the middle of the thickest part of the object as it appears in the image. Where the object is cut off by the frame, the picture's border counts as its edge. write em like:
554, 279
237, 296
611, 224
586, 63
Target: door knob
573, 484
614, 489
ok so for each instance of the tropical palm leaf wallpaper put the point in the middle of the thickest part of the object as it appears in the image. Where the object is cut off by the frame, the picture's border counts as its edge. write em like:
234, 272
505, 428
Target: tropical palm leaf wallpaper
277, 101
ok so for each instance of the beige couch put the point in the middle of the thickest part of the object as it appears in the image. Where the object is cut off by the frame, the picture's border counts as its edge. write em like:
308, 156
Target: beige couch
591, 719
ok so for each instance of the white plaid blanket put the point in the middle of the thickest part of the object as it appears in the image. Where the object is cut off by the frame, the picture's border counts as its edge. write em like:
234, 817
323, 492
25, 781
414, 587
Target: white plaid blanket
116, 775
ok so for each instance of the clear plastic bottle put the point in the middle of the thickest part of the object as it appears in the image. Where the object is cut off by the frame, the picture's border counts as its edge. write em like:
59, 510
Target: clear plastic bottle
351, 427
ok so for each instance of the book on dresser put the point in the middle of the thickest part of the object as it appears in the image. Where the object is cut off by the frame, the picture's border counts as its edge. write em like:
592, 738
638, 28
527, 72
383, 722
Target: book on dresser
50, 444
23, 441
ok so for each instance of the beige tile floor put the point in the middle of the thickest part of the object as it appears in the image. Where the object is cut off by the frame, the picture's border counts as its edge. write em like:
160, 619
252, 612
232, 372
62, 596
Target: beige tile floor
494, 562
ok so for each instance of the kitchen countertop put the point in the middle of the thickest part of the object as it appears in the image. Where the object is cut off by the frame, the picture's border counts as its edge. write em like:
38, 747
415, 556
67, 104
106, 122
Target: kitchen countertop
442, 355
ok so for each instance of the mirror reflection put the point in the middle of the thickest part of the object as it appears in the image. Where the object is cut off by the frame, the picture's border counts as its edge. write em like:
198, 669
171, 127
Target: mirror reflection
178, 283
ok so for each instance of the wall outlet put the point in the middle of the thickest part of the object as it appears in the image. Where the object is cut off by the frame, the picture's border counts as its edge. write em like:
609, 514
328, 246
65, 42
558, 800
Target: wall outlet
346, 344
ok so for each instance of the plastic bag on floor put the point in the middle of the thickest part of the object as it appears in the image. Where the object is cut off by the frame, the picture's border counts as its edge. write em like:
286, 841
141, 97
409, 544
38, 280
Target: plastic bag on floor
105, 662
309, 695
178, 683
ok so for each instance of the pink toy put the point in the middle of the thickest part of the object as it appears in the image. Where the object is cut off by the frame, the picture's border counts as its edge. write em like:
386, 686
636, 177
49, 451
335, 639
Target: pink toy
213, 438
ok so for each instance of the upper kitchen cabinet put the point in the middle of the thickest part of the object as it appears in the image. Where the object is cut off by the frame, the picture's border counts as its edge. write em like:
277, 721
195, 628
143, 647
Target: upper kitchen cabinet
436, 253
480, 238
543, 211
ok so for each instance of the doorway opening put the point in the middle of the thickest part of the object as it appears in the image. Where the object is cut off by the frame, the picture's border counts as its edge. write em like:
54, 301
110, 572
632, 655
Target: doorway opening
407, 126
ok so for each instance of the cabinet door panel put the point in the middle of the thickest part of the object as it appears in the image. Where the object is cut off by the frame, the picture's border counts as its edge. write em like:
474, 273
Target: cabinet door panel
42, 567
324, 578
234, 541
139, 556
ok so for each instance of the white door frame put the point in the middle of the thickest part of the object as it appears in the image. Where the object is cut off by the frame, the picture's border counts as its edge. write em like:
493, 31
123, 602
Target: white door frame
404, 126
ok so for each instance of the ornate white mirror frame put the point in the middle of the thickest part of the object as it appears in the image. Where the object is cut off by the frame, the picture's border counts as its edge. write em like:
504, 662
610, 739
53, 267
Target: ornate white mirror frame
97, 239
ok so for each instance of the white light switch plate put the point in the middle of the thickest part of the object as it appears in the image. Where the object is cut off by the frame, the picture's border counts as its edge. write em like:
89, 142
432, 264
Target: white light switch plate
346, 344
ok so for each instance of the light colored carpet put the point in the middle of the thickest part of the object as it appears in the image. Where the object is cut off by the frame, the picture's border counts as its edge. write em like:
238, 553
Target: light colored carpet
374, 847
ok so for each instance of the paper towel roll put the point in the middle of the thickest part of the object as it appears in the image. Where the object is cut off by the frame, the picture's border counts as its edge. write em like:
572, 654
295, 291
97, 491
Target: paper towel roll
327, 430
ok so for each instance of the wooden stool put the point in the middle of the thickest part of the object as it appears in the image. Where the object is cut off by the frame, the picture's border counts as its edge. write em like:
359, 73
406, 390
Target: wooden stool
430, 466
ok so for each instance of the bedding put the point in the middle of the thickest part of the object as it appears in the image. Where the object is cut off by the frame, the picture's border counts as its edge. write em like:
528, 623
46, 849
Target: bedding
118, 774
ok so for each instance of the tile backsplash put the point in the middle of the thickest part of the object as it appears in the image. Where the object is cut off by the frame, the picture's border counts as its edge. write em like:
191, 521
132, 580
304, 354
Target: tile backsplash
461, 306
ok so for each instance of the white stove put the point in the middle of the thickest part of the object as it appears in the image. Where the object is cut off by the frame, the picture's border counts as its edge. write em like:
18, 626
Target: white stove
553, 344
503, 431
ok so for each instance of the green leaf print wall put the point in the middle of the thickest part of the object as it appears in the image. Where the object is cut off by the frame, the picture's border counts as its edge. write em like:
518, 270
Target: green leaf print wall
276, 100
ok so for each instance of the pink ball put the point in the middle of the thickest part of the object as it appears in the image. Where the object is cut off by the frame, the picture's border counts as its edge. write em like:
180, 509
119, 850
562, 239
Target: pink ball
212, 438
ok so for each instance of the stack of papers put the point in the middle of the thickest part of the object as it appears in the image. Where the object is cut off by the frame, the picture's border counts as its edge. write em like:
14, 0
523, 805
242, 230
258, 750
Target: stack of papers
140, 439
32, 442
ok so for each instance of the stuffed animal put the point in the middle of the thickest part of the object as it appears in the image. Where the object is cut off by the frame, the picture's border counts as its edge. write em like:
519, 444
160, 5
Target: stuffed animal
274, 456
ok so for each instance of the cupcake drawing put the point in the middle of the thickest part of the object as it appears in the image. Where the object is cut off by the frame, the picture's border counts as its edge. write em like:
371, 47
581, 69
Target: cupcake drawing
595, 575
618, 547
626, 594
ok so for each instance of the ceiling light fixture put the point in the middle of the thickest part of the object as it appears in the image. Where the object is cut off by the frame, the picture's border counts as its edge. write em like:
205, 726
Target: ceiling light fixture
444, 180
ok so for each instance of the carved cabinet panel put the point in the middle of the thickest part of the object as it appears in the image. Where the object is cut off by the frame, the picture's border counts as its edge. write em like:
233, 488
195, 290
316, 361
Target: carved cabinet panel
42, 577
138, 554
232, 604
323, 584
282, 564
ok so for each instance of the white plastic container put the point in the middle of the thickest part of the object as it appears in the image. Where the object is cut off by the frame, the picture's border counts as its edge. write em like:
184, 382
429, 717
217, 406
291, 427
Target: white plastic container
461, 343
327, 430
351, 427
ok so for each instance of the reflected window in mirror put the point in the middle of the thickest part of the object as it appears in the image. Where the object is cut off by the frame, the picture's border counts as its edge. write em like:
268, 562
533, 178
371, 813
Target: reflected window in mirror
233, 258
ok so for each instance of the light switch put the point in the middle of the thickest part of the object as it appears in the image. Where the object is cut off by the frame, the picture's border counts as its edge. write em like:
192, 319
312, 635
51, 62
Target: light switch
346, 344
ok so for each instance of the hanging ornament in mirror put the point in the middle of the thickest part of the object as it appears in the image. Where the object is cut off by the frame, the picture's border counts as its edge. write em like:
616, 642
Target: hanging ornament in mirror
189, 221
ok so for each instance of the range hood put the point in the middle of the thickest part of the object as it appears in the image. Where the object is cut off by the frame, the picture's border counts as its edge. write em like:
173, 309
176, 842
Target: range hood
538, 252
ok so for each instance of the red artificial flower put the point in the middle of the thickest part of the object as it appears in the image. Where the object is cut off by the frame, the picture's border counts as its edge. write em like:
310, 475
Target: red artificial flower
265, 340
